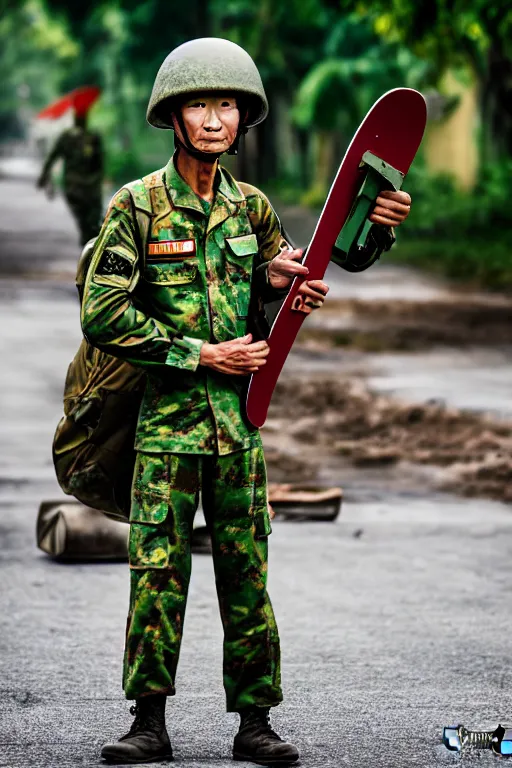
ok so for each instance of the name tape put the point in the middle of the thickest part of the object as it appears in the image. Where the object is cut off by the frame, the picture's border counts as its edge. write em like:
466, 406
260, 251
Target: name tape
171, 247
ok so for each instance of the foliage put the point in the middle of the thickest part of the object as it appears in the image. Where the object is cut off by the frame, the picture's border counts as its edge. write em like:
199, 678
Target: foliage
121, 46
463, 235
358, 67
446, 32
323, 63
480, 262
32, 42
457, 34
441, 208
283, 36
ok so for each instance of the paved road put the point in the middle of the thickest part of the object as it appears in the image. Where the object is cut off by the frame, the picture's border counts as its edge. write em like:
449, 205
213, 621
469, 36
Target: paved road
387, 635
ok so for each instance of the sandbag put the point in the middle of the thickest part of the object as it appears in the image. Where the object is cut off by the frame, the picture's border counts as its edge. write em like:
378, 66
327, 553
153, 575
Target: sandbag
74, 532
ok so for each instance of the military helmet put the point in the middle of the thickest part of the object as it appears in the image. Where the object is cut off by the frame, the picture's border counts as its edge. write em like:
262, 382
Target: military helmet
207, 64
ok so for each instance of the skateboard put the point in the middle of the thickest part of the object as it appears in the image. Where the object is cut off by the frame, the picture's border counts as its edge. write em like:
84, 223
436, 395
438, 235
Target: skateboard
377, 158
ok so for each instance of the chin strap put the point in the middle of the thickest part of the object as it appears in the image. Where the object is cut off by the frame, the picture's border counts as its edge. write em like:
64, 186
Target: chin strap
233, 150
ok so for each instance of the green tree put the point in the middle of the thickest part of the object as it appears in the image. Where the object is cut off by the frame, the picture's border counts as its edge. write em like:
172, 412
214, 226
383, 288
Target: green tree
121, 46
455, 34
31, 42
357, 67
285, 38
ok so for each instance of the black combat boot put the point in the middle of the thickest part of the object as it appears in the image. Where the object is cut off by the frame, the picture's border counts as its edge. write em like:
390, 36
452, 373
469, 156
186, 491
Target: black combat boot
257, 742
147, 741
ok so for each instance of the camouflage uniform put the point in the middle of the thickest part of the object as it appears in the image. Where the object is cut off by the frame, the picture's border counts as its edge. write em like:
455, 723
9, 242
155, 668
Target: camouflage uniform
82, 153
198, 281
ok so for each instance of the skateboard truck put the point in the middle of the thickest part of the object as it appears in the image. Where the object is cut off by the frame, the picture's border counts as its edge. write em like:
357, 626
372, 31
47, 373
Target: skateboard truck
456, 738
361, 242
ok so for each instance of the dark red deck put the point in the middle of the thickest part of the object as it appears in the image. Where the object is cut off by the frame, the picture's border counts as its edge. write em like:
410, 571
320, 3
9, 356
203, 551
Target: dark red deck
393, 130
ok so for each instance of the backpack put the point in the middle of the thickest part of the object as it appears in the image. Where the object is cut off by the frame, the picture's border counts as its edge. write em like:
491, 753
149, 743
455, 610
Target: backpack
93, 447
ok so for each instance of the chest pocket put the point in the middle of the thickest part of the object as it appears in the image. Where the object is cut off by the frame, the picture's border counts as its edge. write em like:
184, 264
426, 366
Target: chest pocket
240, 253
172, 271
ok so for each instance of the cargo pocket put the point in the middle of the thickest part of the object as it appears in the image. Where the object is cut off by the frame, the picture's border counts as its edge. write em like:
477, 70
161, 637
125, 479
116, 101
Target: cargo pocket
171, 272
152, 480
259, 507
149, 546
240, 252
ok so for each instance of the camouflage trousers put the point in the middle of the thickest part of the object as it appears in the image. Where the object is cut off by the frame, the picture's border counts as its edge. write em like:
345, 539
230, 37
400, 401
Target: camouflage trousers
87, 208
234, 498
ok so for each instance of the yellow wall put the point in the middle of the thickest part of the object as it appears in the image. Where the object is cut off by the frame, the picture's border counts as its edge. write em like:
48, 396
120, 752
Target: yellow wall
450, 143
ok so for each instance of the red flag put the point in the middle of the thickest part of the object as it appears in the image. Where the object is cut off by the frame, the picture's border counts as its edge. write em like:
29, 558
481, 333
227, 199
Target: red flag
81, 100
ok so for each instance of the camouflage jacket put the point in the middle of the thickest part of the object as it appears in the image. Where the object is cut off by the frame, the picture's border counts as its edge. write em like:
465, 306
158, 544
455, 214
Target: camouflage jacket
196, 282
82, 153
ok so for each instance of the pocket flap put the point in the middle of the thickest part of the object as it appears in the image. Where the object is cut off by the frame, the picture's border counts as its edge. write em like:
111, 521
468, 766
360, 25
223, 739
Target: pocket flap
151, 488
171, 272
262, 526
245, 245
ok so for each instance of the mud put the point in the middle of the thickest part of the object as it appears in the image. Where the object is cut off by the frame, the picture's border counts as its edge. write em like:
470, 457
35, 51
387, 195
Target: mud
329, 416
410, 325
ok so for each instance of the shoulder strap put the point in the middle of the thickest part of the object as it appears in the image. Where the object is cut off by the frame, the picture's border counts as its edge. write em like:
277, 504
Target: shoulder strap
143, 210
140, 191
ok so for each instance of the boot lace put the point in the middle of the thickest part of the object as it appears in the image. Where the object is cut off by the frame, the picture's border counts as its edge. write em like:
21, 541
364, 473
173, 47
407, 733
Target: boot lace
135, 726
146, 719
259, 719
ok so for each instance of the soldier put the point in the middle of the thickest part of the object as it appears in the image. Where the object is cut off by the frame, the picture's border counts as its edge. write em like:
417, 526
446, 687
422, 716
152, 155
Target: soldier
215, 251
81, 150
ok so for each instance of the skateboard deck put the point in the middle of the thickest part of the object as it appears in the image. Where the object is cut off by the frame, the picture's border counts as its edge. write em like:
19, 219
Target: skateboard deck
392, 132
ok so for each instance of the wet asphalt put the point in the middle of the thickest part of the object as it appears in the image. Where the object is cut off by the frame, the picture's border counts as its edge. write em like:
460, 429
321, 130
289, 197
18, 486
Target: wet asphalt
394, 621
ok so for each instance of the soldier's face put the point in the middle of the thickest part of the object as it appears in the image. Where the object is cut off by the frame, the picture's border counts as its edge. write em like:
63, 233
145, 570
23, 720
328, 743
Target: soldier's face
211, 122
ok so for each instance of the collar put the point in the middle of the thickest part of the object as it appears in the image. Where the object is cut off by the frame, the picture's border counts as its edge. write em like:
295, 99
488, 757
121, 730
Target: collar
183, 196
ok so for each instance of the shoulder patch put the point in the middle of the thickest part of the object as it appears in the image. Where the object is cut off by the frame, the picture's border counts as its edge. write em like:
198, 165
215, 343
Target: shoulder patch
112, 263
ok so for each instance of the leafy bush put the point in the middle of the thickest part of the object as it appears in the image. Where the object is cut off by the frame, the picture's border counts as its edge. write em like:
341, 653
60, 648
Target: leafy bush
439, 207
150, 150
123, 166
466, 236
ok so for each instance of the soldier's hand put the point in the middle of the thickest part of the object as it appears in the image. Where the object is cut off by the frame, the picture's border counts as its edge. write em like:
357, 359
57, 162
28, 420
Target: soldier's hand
391, 208
283, 268
313, 293
238, 357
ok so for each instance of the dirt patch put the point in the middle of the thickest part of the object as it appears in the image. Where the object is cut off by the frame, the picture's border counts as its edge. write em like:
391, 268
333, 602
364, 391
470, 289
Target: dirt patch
412, 326
281, 467
343, 417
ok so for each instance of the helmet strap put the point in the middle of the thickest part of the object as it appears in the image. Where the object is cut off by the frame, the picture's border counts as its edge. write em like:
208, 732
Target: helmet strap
233, 150
242, 130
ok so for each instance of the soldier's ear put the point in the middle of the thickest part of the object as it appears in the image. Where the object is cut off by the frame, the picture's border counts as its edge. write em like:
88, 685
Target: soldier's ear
243, 110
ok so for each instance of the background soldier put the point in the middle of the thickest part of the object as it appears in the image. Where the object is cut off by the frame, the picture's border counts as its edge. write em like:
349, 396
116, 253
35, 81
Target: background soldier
214, 251
81, 150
